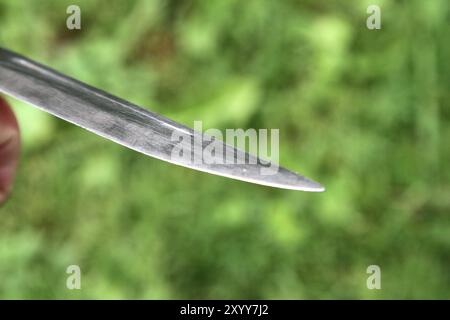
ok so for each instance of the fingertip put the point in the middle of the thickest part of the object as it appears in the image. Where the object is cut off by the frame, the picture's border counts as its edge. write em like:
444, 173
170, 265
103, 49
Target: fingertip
9, 149
7, 118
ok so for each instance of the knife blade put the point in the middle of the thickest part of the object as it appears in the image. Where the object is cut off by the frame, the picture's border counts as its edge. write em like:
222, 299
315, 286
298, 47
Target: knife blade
128, 124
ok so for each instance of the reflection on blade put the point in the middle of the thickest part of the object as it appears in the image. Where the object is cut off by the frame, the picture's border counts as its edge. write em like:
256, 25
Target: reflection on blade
125, 123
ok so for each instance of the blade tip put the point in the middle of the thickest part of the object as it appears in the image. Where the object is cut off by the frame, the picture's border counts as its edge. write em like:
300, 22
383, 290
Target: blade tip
311, 187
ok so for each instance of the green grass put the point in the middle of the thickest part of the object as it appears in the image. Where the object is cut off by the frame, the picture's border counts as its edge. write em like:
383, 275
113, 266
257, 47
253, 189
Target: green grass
366, 113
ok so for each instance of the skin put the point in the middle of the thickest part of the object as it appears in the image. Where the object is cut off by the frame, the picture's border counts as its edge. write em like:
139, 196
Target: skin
9, 149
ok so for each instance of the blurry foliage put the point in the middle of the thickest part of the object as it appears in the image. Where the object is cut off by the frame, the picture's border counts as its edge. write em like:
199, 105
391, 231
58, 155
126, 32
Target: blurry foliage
364, 112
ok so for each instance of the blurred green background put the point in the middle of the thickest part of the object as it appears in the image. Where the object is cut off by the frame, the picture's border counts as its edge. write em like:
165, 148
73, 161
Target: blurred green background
364, 112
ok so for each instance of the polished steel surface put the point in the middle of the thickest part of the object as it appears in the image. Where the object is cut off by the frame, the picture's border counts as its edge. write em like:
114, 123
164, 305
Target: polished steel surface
123, 122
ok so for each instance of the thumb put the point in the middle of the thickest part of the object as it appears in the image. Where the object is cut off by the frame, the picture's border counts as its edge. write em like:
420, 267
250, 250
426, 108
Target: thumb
9, 149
